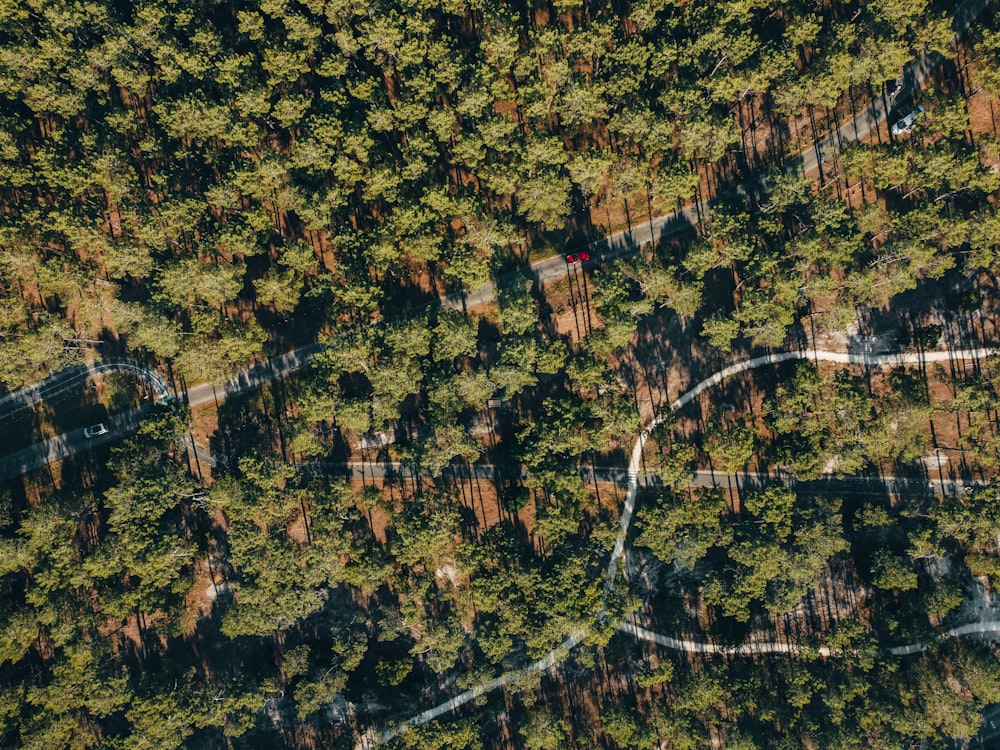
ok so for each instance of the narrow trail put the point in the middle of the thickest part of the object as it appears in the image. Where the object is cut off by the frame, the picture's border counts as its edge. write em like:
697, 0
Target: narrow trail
755, 648
372, 738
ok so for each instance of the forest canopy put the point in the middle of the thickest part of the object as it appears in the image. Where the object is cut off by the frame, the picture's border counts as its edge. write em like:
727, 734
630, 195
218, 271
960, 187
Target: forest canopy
186, 176
431, 504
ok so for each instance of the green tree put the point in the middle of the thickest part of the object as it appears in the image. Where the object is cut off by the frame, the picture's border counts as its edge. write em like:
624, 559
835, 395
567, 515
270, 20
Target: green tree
683, 527
544, 732
777, 552
731, 446
822, 423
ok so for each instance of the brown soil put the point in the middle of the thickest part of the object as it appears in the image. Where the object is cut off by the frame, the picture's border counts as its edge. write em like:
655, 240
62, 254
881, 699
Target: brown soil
478, 497
132, 628
984, 116
204, 423
297, 530
572, 315
208, 584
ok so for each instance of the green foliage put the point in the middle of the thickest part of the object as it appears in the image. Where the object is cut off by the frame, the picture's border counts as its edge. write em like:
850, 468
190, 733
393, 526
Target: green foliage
971, 519
731, 446
454, 336
561, 436
662, 674
393, 672
822, 422
779, 547
873, 516
720, 331
622, 725
544, 732
683, 527
891, 572
461, 735
180, 178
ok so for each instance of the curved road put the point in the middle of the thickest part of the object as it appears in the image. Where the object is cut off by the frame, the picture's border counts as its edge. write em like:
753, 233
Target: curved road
607, 248
628, 508
55, 384
65, 445
754, 648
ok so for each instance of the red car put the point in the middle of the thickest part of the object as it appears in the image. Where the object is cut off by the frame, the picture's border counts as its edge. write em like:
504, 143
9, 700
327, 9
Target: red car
578, 257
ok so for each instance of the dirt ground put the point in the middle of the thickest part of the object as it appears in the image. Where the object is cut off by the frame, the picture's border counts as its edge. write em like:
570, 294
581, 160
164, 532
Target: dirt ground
204, 423
573, 315
478, 496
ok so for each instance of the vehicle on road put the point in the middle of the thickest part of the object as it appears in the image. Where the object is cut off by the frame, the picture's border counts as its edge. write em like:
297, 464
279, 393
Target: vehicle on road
95, 430
581, 256
905, 124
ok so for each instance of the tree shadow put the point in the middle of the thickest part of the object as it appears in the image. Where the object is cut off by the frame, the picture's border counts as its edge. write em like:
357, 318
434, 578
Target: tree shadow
245, 425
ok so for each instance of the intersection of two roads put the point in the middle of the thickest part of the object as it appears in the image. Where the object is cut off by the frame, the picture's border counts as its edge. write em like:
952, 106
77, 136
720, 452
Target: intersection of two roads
861, 126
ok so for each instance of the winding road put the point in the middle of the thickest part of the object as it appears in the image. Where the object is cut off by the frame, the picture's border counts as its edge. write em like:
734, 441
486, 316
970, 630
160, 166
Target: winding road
13, 403
282, 366
63, 446
605, 249
755, 648
628, 508
67, 444
610, 247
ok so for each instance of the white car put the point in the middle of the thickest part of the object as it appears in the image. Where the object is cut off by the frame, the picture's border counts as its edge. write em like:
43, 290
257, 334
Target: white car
905, 125
94, 430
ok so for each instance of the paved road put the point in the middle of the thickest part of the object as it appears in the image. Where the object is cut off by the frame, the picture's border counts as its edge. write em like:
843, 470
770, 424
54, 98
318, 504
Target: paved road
58, 448
634, 472
603, 250
252, 378
989, 734
67, 444
869, 360
892, 359
986, 627
868, 120
856, 129
608, 248
754, 648
13, 403
63, 446
863, 486
372, 738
